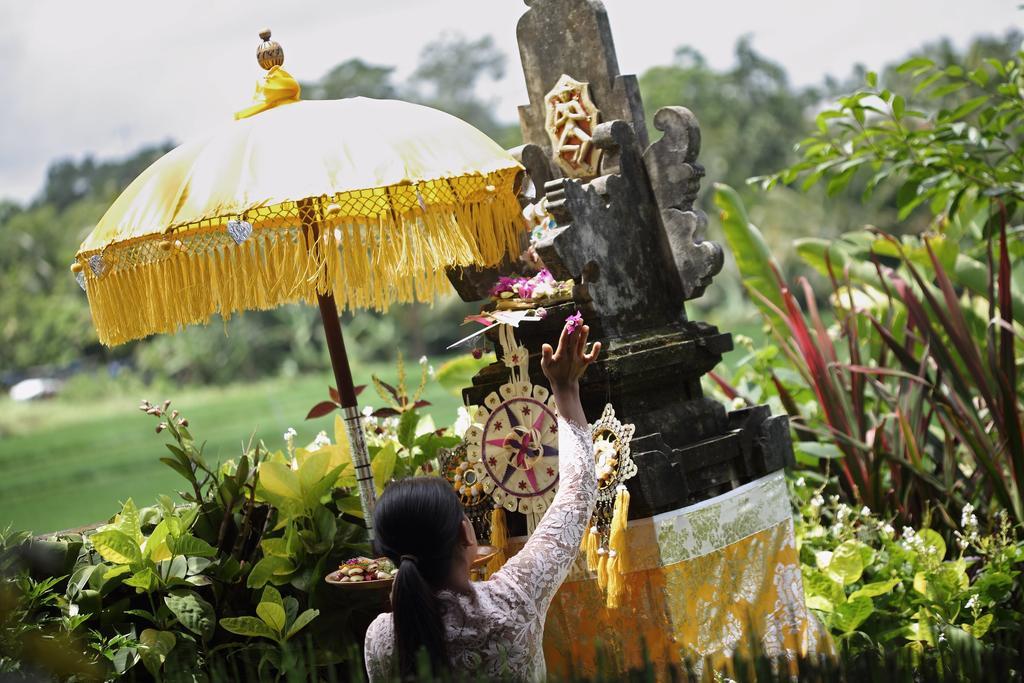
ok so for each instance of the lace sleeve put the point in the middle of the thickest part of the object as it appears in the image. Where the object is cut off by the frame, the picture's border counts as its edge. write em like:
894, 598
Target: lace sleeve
379, 648
544, 562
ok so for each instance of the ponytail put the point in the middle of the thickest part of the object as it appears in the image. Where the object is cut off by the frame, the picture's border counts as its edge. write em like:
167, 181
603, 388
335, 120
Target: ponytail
418, 522
418, 625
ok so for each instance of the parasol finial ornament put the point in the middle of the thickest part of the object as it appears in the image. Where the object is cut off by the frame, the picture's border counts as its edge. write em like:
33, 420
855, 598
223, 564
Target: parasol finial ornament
269, 53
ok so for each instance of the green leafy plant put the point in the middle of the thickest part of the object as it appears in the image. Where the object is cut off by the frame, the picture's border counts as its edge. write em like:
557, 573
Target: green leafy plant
276, 619
875, 588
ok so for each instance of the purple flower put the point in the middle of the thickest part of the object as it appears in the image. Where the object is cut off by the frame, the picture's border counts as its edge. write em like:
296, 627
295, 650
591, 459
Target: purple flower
504, 284
573, 322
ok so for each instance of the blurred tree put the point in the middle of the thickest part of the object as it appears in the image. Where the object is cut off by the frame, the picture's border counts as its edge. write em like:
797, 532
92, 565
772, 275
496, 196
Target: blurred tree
448, 79
351, 79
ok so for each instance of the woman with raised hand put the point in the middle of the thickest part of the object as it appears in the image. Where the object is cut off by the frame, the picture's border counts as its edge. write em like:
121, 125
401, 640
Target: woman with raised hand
488, 629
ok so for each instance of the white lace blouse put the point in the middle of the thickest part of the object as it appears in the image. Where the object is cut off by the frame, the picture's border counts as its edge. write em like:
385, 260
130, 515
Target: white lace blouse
495, 630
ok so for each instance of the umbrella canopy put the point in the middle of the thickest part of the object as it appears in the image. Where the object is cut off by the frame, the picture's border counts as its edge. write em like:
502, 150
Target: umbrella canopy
369, 199
359, 201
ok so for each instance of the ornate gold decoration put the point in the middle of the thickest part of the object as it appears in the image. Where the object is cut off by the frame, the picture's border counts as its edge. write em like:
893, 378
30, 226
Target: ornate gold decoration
269, 53
612, 457
570, 123
460, 473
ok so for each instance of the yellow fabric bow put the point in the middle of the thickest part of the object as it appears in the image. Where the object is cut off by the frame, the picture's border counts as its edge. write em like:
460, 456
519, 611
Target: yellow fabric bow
275, 88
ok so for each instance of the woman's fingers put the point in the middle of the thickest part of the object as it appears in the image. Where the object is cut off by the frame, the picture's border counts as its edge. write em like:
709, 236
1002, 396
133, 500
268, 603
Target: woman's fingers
545, 354
581, 340
563, 343
595, 350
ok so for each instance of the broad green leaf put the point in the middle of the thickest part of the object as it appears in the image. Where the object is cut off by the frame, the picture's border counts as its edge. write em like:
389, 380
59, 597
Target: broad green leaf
117, 571
817, 583
980, 626
819, 603
301, 621
312, 468
271, 595
280, 481
756, 264
247, 626
407, 428
128, 521
116, 546
872, 590
191, 546
351, 505
847, 564
272, 615
915, 64
278, 547
851, 614
145, 580
268, 568
154, 646
194, 613
383, 466
155, 547
933, 541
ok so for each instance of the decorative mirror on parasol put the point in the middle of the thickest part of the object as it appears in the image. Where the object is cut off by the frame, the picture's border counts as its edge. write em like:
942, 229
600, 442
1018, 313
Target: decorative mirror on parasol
357, 203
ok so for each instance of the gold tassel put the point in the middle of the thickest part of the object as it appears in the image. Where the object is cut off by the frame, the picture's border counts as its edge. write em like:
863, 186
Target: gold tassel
499, 539
617, 548
372, 260
602, 568
590, 545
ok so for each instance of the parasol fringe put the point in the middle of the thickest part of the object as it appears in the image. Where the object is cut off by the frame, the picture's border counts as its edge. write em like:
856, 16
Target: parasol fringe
399, 259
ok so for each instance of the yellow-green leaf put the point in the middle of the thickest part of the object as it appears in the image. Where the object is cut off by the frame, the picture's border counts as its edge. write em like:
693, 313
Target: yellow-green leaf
312, 468
280, 481
980, 626
128, 521
871, 590
116, 546
272, 615
155, 547
383, 466
851, 614
847, 563
301, 621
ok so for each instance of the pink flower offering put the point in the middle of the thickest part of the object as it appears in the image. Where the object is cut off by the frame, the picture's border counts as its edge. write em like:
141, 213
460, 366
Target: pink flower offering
573, 322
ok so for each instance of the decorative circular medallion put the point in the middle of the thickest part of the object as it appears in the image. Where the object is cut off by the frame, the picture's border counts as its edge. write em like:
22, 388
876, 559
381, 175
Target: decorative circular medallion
612, 458
513, 446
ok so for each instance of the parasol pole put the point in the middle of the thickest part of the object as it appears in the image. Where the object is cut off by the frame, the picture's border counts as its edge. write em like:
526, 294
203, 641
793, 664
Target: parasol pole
349, 406
310, 214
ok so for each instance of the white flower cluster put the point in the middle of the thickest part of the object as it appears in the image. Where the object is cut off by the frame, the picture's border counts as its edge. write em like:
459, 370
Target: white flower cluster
319, 442
969, 523
463, 421
911, 541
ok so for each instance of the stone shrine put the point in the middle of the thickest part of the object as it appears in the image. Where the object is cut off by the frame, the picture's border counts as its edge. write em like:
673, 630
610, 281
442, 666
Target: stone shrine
630, 237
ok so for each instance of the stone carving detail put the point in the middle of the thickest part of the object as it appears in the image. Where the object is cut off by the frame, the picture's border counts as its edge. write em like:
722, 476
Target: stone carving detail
675, 180
570, 122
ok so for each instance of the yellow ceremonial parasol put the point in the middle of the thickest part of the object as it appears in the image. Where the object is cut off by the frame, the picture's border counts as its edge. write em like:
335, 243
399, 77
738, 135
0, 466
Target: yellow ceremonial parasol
357, 202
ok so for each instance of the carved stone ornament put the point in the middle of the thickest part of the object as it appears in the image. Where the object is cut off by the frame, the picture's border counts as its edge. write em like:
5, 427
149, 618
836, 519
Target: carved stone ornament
570, 122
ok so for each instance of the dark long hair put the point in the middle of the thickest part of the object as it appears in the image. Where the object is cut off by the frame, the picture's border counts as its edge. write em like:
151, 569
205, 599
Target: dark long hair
417, 524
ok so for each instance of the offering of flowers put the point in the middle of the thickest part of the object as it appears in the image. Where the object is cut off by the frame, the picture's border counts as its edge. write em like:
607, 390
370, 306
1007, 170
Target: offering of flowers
523, 292
360, 569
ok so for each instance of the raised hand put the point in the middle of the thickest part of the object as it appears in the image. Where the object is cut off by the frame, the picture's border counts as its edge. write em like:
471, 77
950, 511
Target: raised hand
565, 365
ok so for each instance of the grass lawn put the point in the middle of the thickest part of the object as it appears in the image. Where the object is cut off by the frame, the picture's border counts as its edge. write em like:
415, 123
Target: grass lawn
65, 464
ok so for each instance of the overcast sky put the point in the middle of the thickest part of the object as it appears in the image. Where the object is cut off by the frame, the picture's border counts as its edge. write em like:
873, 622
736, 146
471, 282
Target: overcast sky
107, 76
